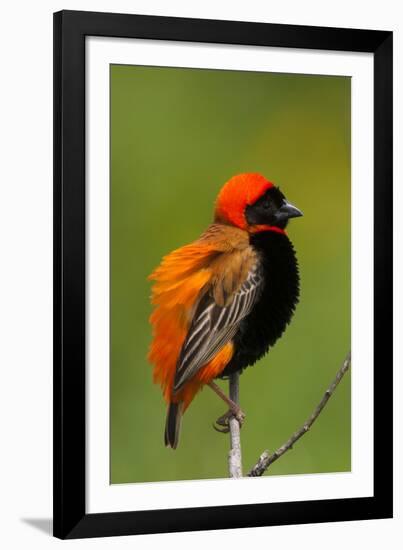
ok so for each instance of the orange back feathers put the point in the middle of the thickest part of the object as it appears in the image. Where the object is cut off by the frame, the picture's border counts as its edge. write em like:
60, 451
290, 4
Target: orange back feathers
180, 281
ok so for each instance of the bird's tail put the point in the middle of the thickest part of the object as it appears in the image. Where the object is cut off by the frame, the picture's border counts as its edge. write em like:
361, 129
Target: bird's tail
173, 424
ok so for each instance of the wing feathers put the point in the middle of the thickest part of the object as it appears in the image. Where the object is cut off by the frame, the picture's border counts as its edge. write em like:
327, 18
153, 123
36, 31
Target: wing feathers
213, 326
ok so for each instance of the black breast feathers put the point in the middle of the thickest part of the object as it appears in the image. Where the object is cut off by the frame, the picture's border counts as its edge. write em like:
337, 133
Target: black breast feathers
273, 311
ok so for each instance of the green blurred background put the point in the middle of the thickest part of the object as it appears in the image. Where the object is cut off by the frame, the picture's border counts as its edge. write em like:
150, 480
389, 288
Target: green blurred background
176, 136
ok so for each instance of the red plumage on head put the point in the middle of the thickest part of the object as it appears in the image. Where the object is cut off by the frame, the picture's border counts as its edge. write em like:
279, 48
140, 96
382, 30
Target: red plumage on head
239, 192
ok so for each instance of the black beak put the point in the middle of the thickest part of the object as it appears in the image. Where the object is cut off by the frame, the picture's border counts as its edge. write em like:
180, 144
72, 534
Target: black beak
287, 211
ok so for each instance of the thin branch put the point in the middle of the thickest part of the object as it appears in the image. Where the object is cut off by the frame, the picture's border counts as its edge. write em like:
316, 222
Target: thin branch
235, 454
266, 459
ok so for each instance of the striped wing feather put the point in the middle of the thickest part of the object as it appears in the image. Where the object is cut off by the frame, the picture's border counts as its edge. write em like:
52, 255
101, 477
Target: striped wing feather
214, 325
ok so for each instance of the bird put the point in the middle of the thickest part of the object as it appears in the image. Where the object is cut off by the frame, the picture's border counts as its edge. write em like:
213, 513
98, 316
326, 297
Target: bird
221, 301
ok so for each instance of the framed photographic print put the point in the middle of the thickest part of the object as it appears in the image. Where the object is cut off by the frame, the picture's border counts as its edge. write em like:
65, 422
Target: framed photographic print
223, 274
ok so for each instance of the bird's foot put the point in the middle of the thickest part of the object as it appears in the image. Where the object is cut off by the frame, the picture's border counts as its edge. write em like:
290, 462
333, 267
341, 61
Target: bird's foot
223, 421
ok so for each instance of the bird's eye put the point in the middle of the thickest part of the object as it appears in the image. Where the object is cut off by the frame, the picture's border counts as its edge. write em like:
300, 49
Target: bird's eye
266, 205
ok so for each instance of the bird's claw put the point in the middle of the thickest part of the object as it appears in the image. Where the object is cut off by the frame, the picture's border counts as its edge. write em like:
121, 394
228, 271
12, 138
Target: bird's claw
221, 430
225, 418
224, 422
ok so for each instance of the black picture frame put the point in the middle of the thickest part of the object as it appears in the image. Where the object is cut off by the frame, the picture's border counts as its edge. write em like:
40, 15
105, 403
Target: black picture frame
70, 31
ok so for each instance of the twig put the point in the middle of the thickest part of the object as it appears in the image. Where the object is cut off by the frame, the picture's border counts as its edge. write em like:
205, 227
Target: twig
266, 459
234, 455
